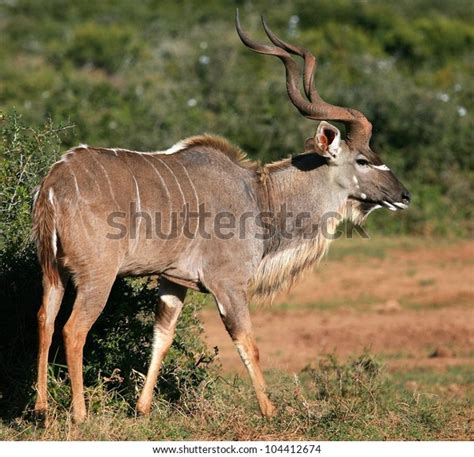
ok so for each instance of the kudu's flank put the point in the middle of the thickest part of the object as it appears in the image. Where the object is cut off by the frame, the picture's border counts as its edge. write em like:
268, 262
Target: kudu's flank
76, 235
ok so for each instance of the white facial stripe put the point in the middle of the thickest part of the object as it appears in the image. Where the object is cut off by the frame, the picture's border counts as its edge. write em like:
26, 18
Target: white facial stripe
356, 181
363, 196
382, 167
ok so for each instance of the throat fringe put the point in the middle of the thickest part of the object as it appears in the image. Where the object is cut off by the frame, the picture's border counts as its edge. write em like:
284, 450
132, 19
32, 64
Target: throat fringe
279, 270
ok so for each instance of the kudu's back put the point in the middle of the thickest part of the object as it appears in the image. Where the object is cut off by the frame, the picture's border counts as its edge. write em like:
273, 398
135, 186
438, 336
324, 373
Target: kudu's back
139, 213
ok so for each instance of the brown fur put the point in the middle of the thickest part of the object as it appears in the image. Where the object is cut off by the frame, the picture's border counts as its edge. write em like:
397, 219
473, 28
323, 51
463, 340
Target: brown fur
222, 145
43, 233
234, 153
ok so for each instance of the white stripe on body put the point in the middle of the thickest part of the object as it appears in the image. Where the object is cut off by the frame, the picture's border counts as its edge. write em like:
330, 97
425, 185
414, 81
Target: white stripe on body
168, 196
138, 201
179, 186
81, 219
195, 195
107, 179
54, 236
179, 146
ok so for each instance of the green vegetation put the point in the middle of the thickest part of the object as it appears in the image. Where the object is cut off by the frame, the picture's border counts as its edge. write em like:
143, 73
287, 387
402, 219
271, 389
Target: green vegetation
357, 400
143, 77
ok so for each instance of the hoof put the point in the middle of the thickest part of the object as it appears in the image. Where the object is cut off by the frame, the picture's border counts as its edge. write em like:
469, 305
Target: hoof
268, 410
142, 410
41, 417
79, 418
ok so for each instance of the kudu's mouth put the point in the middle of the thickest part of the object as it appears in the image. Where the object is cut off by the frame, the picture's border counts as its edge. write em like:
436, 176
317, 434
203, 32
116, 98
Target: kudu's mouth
401, 203
394, 206
391, 205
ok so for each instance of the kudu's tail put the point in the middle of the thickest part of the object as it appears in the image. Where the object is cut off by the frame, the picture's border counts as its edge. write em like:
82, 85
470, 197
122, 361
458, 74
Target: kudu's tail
45, 234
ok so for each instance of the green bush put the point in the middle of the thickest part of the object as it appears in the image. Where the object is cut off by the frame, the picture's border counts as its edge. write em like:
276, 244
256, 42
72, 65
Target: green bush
105, 46
26, 155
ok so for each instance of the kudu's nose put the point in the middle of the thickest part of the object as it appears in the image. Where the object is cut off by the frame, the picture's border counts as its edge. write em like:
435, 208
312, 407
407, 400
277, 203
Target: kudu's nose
406, 197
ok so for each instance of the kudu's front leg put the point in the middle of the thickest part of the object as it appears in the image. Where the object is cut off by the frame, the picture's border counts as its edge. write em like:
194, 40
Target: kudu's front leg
167, 312
236, 317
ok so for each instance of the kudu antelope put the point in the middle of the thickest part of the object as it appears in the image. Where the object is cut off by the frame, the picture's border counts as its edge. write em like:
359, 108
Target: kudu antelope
75, 201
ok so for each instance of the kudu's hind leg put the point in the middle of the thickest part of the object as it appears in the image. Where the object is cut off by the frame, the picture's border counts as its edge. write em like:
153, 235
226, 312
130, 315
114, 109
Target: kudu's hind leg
52, 298
236, 317
90, 301
167, 312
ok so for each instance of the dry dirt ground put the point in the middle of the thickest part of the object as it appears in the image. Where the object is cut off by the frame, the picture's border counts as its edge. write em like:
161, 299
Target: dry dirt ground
409, 302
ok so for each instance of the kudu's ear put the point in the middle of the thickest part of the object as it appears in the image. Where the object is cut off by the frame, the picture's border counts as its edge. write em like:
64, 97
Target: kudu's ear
327, 140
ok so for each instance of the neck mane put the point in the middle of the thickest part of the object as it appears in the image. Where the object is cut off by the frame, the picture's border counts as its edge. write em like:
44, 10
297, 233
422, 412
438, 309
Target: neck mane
286, 259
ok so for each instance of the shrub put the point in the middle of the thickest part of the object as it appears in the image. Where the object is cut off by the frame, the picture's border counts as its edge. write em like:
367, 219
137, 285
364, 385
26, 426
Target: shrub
105, 46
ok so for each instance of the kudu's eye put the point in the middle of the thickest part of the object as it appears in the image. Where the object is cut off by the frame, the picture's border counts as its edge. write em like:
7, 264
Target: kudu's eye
363, 162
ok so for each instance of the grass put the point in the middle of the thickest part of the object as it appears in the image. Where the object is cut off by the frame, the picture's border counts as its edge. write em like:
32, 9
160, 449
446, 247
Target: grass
362, 302
375, 247
461, 299
378, 247
437, 381
355, 400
